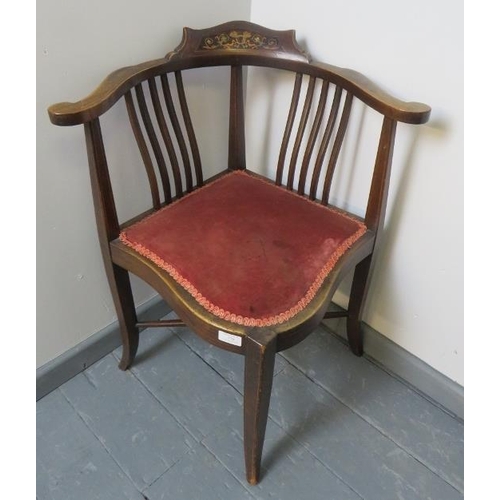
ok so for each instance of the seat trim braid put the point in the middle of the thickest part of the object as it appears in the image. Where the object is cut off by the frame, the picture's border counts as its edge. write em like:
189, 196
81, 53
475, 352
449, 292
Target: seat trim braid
228, 315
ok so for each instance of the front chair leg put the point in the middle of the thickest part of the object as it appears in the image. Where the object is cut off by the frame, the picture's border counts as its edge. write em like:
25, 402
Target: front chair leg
356, 299
125, 309
260, 353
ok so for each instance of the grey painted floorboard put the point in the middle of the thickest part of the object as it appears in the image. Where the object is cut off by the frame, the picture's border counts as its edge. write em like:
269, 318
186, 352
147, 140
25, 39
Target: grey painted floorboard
227, 364
373, 465
429, 434
288, 469
195, 394
340, 428
198, 475
125, 416
71, 462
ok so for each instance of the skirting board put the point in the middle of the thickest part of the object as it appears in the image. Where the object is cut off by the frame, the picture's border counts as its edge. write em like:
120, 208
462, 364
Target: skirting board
54, 373
430, 383
400, 363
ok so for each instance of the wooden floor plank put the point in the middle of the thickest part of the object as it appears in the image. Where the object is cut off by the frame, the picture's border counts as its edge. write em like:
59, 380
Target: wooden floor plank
369, 462
143, 438
421, 428
341, 429
197, 396
228, 364
198, 475
71, 462
289, 471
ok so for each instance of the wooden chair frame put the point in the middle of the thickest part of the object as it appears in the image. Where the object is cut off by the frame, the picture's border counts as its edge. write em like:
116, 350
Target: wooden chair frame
236, 44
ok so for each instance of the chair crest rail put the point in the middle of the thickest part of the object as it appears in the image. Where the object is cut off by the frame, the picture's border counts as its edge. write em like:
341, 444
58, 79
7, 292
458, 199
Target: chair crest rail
245, 44
239, 37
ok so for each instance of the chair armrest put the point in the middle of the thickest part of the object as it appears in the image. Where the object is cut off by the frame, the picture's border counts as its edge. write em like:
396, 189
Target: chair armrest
103, 97
374, 96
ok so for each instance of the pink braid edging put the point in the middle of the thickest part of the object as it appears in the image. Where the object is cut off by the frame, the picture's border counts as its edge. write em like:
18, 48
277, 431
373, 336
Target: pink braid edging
227, 315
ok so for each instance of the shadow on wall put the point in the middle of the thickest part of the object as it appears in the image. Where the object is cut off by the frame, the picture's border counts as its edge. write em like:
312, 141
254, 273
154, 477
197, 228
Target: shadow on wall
270, 96
399, 192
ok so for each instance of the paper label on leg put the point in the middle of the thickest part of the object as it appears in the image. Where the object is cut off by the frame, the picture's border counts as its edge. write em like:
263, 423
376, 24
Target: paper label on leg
229, 338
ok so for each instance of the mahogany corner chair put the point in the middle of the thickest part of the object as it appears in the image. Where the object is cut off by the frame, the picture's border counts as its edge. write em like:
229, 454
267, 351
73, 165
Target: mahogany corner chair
248, 263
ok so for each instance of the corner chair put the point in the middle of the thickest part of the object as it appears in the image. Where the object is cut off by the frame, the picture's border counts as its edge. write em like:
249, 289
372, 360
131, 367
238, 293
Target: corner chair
249, 263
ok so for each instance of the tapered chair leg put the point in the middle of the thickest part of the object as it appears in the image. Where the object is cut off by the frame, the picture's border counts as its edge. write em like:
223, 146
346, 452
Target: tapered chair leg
356, 300
125, 309
259, 365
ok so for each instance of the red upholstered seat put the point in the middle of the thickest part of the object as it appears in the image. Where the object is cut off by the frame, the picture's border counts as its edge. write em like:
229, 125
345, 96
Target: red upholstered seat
248, 251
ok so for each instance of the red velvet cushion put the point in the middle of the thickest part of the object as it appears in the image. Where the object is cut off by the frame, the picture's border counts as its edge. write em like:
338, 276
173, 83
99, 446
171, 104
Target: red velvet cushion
248, 251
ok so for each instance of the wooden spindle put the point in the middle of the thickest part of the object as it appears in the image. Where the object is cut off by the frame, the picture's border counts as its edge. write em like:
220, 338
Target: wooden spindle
195, 153
300, 131
236, 152
288, 128
313, 136
153, 140
143, 149
332, 118
167, 139
177, 131
344, 120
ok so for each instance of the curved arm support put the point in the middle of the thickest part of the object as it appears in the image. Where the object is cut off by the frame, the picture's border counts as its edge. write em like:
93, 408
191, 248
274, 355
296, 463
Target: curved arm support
103, 97
120, 81
370, 93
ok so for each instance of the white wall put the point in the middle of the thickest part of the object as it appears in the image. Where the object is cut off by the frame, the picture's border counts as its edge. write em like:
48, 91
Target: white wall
78, 44
414, 50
